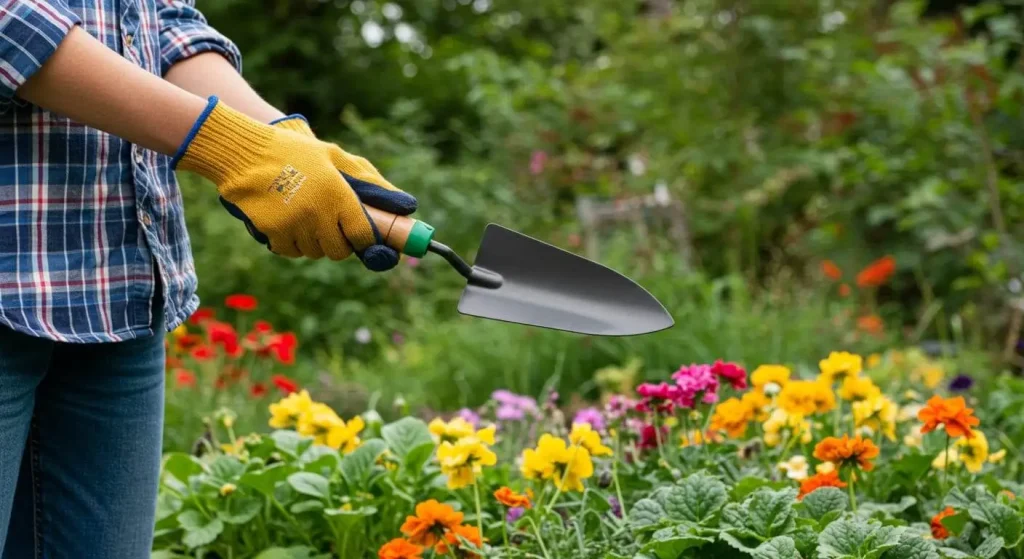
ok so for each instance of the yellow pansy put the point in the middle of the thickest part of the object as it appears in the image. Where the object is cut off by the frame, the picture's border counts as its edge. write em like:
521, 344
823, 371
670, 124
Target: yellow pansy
878, 414
567, 466
858, 388
931, 374
286, 413
450, 431
806, 397
585, 435
973, 451
326, 428
769, 379
463, 460
839, 365
781, 422
795, 468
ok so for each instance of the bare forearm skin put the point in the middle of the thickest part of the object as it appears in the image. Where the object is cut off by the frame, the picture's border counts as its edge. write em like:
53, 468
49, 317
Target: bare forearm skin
209, 74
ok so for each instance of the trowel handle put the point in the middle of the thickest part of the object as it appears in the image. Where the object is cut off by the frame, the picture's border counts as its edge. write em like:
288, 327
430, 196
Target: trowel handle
402, 233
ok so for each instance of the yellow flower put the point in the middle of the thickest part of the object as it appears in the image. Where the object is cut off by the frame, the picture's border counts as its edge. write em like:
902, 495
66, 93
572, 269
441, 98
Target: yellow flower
732, 416
795, 468
931, 374
692, 438
326, 428
973, 451
235, 448
584, 435
758, 404
463, 460
878, 414
997, 457
825, 467
945, 457
911, 395
567, 466
769, 379
874, 360
285, 414
915, 438
227, 489
858, 388
839, 365
806, 397
908, 412
780, 422
180, 332
450, 431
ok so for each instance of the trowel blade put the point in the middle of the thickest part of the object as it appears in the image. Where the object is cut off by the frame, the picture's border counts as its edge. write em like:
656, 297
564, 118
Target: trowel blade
548, 287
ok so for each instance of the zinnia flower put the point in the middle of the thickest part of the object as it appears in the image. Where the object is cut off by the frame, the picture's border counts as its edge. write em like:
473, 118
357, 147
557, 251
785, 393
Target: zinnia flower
464, 460
400, 548
200, 315
973, 451
769, 379
451, 539
877, 273
661, 397
952, 413
510, 498
732, 416
282, 346
939, 531
831, 271
806, 397
839, 365
846, 451
203, 353
735, 375
567, 466
431, 521
795, 468
584, 435
240, 302
819, 480
758, 404
224, 335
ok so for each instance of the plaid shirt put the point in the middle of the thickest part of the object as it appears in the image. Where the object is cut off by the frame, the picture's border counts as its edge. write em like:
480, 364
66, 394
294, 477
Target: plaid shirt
88, 220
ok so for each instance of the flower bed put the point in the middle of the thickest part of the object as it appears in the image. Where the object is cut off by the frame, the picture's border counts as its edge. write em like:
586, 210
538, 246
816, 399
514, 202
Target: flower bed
712, 462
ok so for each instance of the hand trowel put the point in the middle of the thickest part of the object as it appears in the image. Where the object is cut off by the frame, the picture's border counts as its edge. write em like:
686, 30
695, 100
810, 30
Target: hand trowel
519, 279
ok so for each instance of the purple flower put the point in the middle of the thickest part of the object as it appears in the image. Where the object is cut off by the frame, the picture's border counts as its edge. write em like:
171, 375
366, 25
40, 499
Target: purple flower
961, 383
537, 160
616, 506
514, 514
513, 407
592, 416
469, 415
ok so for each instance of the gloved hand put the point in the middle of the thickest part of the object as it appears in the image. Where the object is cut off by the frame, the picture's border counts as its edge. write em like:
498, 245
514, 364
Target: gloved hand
298, 195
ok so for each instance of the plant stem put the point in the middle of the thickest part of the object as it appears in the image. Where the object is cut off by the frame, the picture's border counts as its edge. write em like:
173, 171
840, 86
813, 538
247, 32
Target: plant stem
703, 432
479, 515
504, 531
945, 466
853, 494
559, 486
540, 540
615, 475
657, 437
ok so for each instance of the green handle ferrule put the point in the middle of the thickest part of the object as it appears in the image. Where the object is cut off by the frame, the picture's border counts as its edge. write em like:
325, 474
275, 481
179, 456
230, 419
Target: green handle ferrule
419, 239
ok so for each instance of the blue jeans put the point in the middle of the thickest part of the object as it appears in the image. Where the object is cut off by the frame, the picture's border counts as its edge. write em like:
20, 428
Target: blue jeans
80, 428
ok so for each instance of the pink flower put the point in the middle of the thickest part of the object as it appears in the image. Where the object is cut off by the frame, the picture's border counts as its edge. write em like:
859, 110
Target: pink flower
592, 416
537, 161
696, 381
618, 406
733, 373
661, 397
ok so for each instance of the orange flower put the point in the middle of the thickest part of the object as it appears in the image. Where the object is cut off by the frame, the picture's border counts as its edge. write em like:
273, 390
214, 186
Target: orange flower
951, 412
877, 273
431, 520
831, 271
939, 531
240, 302
184, 378
399, 548
871, 324
844, 290
846, 451
817, 481
510, 498
451, 538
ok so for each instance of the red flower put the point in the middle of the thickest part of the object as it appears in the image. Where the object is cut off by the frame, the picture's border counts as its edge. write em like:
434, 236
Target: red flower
649, 438
731, 372
831, 271
285, 384
263, 327
877, 273
187, 341
224, 335
172, 362
283, 347
200, 315
184, 378
203, 353
241, 302
258, 390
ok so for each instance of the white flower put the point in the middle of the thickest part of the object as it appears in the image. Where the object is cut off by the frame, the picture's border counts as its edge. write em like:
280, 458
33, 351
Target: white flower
795, 467
363, 335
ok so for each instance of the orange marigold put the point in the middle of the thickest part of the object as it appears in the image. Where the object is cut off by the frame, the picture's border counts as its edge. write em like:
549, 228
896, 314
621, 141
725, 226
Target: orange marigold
951, 412
732, 416
939, 531
847, 451
431, 520
871, 324
817, 481
510, 498
399, 548
451, 538
877, 272
831, 271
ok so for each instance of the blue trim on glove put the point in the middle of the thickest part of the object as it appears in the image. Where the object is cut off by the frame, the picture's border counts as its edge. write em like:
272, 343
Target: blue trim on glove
183, 148
289, 117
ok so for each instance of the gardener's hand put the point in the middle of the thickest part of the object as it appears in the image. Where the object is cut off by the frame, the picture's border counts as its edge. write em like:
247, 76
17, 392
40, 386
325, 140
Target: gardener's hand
298, 195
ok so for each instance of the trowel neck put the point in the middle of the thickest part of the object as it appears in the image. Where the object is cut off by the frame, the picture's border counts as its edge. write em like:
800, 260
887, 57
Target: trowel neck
475, 275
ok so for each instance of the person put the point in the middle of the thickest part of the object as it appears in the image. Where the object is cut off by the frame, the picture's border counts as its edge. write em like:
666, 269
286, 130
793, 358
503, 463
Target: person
100, 102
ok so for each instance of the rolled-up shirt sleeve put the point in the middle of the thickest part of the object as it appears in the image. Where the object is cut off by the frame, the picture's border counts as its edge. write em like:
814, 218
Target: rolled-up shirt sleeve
30, 31
184, 33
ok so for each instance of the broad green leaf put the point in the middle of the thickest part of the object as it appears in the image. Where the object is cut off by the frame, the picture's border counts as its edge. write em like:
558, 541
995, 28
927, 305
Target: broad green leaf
167, 504
823, 501
182, 466
347, 519
888, 509
912, 546
735, 542
990, 547
165, 554
404, 435
734, 515
314, 485
265, 480
748, 485
226, 469
770, 513
646, 513
1002, 521
286, 553
306, 506
240, 509
955, 523
854, 537
357, 465
806, 540
417, 457
320, 459
782, 547
696, 498
670, 543
199, 530
291, 443
953, 553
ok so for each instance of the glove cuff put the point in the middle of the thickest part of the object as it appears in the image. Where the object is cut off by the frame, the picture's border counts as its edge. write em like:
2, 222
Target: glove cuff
295, 123
223, 142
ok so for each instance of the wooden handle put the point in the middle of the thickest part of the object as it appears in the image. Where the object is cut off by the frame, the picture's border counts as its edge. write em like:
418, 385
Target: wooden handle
402, 233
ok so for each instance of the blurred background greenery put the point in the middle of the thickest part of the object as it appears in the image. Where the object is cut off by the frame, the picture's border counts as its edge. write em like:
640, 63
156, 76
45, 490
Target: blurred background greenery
790, 133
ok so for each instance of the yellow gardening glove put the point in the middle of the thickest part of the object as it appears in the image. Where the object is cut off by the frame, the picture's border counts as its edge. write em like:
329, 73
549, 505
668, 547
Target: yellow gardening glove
287, 188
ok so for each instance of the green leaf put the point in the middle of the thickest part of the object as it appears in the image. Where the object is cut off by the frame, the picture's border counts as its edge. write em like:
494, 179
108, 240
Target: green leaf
226, 469
198, 529
770, 513
166, 554
806, 540
320, 459
854, 537
265, 480
346, 519
823, 501
404, 435
912, 546
306, 506
1002, 521
417, 457
670, 543
286, 553
955, 523
646, 513
990, 547
748, 485
357, 465
167, 504
735, 542
782, 547
953, 553
314, 485
887, 509
240, 509
182, 466
291, 443
696, 498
